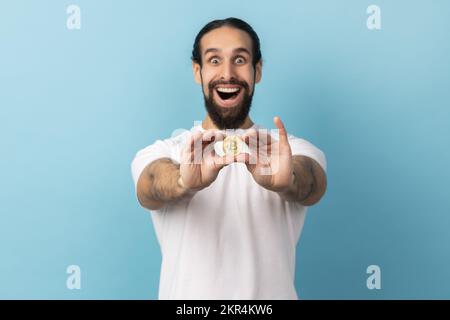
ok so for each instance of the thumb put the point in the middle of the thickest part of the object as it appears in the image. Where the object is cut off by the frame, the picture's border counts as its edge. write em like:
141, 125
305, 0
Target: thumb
281, 129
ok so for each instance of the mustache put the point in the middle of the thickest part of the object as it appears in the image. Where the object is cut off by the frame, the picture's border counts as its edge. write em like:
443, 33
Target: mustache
213, 84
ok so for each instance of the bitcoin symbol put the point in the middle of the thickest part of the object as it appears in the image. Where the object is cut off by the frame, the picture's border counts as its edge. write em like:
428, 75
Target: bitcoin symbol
232, 145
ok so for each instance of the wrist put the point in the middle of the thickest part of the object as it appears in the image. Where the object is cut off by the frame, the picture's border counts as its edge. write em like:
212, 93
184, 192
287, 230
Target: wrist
181, 184
185, 190
289, 188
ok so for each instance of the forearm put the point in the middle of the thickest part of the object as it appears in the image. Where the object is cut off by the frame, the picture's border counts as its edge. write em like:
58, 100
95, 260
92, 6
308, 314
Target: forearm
159, 184
306, 187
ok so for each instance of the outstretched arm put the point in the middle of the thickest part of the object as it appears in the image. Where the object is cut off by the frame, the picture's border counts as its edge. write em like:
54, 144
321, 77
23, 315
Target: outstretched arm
308, 184
159, 184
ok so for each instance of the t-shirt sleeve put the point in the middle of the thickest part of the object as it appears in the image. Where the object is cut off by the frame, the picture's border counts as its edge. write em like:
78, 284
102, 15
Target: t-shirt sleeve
305, 148
159, 149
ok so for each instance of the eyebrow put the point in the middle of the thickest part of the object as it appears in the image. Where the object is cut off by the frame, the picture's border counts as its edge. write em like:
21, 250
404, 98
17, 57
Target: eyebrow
237, 50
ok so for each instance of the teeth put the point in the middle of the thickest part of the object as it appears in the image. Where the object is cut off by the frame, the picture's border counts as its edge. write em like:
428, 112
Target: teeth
227, 90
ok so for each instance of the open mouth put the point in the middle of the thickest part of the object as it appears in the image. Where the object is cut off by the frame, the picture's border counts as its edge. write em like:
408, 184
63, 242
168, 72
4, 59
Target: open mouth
228, 95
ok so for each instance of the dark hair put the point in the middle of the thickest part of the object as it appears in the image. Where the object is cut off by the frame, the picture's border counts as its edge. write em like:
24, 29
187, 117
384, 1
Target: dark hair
229, 22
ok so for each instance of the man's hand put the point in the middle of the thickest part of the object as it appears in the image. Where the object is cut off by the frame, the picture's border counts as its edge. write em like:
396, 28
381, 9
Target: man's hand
295, 178
270, 162
200, 164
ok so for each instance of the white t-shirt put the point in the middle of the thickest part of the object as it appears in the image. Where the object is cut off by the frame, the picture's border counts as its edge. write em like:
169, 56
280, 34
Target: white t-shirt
231, 240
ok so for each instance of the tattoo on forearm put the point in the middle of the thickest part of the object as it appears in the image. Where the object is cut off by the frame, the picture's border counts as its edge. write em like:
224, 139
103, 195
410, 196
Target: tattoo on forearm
306, 179
305, 190
163, 176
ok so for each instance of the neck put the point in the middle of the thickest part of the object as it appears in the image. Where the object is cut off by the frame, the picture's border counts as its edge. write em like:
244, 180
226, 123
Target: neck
207, 123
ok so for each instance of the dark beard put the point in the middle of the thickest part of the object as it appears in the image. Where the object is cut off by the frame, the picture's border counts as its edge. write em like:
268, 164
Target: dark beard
228, 118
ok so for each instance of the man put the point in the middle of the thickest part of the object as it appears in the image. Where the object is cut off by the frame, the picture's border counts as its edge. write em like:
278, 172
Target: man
228, 224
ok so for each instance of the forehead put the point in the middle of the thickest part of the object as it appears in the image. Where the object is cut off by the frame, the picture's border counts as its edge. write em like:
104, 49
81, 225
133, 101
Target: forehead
226, 39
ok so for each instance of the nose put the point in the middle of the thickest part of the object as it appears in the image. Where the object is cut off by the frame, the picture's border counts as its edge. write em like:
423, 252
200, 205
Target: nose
227, 71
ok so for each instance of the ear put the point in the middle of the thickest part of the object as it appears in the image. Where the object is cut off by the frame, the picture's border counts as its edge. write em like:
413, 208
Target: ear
258, 71
196, 69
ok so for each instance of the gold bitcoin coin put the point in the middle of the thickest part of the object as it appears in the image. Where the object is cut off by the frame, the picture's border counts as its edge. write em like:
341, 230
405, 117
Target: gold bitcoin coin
232, 145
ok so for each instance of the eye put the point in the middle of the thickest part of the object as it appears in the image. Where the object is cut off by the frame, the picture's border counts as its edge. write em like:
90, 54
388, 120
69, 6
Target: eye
239, 60
214, 60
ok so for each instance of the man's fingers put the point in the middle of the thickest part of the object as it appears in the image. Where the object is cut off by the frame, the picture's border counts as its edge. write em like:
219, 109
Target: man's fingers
222, 161
210, 138
213, 135
281, 130
194, 139
200, 139
249, 133
228, 159
257, 139
191, 153
201, 144
242, 157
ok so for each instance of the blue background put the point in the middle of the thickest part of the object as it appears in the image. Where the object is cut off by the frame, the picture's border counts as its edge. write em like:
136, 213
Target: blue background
76, 105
